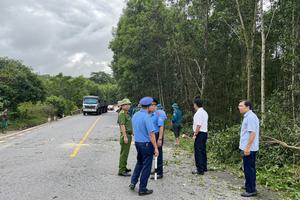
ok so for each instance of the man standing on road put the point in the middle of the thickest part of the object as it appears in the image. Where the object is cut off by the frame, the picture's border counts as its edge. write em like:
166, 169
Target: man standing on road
124, 121
249, 144
4, 119
158, 117
145, 144
176, 121
200, 137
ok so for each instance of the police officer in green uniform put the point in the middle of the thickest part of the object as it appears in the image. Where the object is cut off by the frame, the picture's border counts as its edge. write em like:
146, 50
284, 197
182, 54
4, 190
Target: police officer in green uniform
124, 121
4, 122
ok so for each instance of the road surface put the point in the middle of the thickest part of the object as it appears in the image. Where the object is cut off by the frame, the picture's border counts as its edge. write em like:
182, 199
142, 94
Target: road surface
77, 159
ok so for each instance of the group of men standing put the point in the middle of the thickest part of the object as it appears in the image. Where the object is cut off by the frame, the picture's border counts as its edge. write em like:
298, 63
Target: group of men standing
147, 127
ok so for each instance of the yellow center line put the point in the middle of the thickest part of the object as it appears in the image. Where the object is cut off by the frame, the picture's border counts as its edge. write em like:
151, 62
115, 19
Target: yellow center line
78, 146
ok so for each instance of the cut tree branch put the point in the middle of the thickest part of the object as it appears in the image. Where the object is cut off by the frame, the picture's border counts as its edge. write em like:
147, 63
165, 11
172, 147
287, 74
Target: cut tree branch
281, 143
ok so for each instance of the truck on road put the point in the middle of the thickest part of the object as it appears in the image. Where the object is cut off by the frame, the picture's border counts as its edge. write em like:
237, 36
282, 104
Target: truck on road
93, 105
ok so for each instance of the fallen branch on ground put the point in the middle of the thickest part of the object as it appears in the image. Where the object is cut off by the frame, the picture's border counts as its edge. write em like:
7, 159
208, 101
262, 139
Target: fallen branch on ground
284, 144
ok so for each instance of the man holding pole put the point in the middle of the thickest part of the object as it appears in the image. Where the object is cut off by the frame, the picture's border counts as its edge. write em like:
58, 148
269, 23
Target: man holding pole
145, 144
158, 118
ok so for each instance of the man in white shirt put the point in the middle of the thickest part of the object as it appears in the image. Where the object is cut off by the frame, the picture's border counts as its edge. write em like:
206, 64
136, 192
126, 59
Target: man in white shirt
200, 137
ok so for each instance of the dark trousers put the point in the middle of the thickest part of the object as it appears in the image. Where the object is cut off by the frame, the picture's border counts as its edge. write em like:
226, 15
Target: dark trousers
160, 157
200, 152
250, 172
143, 166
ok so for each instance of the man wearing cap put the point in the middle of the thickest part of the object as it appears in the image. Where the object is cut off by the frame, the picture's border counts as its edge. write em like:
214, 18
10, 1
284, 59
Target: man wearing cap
176, 121
158, 117
119, 107
124, 121
145, 144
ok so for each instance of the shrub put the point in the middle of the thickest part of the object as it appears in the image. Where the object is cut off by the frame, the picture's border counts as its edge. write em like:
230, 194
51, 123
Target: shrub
224, 145
29, 114
59, 104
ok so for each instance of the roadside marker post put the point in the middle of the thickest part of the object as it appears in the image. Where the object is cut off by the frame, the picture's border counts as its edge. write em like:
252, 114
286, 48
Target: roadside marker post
155, 168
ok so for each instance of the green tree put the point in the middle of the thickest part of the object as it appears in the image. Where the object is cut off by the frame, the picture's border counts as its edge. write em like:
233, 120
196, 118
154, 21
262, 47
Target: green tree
19, 84
101, 78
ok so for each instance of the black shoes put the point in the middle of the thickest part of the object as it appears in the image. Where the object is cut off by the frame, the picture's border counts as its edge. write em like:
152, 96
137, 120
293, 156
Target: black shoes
147, 192
158, 177
126, 174
247, 194
132, 186
198, 173
128, 170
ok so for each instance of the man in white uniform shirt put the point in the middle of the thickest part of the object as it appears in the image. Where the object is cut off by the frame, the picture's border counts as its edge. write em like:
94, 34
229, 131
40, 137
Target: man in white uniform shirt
200, 137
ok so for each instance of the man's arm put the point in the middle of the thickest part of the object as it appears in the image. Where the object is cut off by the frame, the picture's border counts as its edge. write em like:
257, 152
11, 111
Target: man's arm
160, 137
161, 133
150, 130
123, 130
197, 131
250, 142
153, 141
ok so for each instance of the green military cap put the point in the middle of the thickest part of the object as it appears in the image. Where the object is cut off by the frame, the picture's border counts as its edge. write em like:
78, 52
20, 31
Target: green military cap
119, 103
124, 102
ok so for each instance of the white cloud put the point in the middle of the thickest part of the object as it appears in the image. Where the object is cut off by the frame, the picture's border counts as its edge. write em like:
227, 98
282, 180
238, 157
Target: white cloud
59, 35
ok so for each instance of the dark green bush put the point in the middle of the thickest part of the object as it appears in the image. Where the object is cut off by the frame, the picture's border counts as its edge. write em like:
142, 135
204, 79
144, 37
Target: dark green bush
224, 145
61, 105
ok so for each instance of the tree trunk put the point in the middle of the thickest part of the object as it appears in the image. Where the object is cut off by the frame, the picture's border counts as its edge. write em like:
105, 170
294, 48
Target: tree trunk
295, 24
203, 77
248, 39
263, 56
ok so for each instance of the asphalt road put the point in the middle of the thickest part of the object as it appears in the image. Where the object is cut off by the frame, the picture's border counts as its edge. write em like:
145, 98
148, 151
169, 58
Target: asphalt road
77, 159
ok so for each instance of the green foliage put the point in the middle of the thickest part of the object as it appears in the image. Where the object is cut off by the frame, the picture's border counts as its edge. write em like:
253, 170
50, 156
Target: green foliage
101, 78
110, 93
61, 105
31, 114
1, 104
24, 93
224, 145
74, 89
282, 178
18, 84
279, 125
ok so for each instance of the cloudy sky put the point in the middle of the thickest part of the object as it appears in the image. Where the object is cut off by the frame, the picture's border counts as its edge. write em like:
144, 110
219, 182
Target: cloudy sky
52, 36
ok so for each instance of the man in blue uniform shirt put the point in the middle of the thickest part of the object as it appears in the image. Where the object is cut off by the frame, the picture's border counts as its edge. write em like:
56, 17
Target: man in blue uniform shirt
145, 144
158, 117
